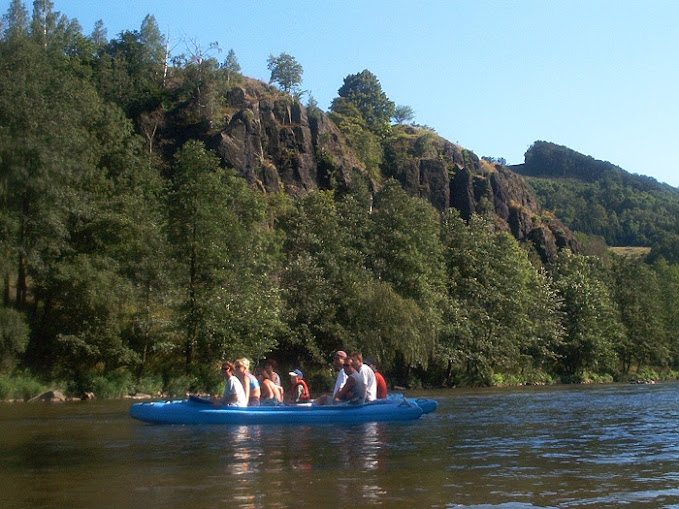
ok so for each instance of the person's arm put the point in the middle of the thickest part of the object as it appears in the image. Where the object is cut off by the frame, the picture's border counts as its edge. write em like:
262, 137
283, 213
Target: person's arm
246, 387
346, 389
258, 390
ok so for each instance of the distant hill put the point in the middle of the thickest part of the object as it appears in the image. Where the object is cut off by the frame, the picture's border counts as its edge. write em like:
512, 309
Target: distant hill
599, 198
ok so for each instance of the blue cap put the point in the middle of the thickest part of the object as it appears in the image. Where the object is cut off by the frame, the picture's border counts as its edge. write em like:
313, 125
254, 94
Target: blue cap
296, 372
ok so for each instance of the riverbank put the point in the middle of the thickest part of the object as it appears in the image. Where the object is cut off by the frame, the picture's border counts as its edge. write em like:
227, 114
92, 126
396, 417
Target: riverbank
28, 390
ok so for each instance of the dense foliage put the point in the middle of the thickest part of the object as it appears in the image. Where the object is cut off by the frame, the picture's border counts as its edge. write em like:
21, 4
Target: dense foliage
131, 260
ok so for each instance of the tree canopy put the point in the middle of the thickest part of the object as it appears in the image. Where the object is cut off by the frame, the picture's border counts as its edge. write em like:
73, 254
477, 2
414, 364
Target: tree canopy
134, 259
364, 91
287, 72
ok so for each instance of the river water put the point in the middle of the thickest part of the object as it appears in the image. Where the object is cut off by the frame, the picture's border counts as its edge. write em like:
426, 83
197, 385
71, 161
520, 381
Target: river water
544, 447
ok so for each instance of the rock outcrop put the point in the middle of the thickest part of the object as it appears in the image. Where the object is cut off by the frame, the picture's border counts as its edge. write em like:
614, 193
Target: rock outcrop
450, 176
272, 141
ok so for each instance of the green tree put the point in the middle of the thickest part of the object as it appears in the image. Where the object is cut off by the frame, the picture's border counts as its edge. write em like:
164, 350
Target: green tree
287, 72
225, 253
320, 267
41, 166
364, 91
503, 316
231, 66
668, 280
16, 21
99, 35
133, 74
14, 333
591, 318
403, 114
63, 195
363, 142
43, 21
637, 292
406, 253
405, 246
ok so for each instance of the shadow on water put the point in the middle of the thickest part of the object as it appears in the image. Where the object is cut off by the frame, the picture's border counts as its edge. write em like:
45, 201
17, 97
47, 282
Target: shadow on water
603, 446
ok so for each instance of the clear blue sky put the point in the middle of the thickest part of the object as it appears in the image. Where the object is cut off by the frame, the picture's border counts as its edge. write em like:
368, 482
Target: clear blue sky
599, 76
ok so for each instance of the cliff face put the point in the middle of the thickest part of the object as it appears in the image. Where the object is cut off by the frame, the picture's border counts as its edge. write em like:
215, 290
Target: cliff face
274, 143
450, 176
271, 141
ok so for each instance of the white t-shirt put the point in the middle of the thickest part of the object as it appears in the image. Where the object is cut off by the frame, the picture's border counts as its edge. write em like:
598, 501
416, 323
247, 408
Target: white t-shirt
233, 386
368, 376
339, 383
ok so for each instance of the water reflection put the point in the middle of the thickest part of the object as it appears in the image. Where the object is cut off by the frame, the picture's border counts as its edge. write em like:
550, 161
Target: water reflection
291, 459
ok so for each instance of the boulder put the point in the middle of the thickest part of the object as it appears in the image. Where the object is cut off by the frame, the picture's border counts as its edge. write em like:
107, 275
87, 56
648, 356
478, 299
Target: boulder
51, 396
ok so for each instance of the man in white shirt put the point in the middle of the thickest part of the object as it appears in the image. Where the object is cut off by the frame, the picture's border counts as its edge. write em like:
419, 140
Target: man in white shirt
338, 363
234, 394
368, 376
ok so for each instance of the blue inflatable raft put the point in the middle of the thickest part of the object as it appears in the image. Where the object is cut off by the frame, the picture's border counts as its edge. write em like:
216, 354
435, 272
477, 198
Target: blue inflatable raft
200, 411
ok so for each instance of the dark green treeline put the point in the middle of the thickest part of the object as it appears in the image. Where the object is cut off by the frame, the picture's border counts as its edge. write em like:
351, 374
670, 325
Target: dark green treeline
123, 259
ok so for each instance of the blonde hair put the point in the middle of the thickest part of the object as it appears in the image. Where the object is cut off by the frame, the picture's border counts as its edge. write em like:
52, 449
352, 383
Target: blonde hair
244, 362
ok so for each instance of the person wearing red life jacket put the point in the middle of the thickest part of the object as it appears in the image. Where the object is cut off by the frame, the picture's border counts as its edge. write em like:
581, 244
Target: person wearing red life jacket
381, 382
299, 393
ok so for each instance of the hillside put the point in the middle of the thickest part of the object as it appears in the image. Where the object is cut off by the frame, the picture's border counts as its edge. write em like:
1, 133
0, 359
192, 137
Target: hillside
276, 144
598, 198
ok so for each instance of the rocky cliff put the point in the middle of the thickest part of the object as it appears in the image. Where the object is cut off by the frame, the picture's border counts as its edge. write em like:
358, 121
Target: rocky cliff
273, 142
277, 145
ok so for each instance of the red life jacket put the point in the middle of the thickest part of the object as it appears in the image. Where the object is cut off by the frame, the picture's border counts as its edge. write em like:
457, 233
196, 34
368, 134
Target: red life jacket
305, 396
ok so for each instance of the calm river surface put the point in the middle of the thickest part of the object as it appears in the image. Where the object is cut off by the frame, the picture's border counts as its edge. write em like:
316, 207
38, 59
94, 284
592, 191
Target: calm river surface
564, 447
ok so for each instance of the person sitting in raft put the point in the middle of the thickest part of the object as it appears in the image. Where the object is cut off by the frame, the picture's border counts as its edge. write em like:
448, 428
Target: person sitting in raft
353, 390
299, 393
250, 383
338, 365
381, 382
367, 374
234, 395
270, 367
272, 394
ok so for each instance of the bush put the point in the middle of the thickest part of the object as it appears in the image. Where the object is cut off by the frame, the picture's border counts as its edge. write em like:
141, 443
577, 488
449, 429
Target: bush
20, 387
180, 386
647, 375
149, 385
501, 380
112, 385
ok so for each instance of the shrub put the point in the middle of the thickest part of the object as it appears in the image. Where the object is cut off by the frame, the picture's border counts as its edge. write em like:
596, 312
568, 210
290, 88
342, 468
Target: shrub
180, 386
149, 385
112, 385
20, 387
